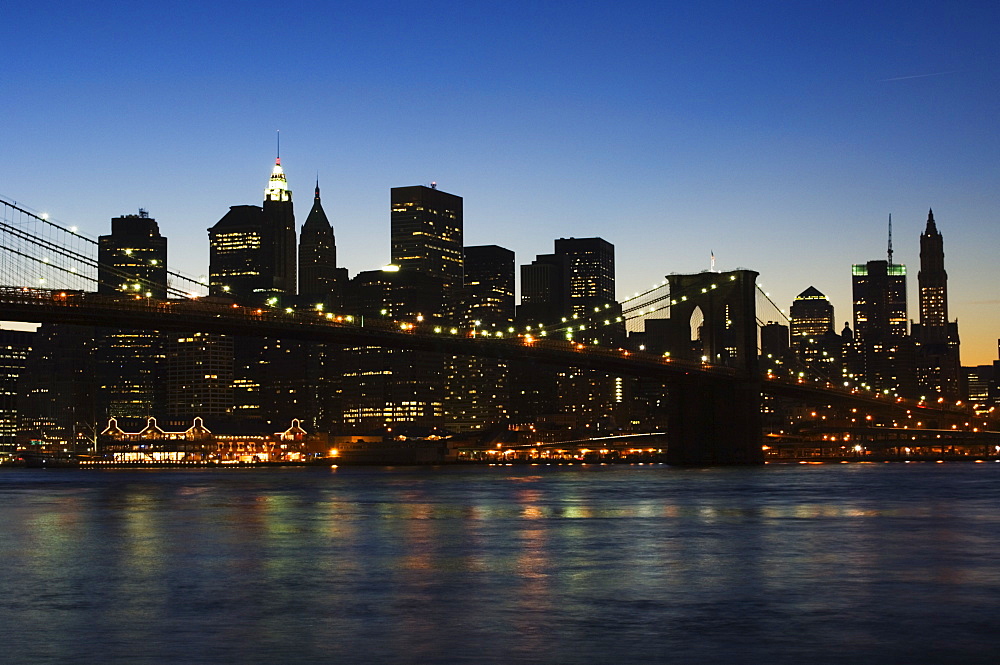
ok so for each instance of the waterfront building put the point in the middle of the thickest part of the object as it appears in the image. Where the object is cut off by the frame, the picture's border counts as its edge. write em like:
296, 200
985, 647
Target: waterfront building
426, 237
154, 445
56, 391
198, 377
252, 249
15, 345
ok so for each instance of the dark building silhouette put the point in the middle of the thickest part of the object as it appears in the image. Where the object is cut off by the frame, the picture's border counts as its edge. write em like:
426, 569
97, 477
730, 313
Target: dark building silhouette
883, 355
15, 345
591, 279
320, 280
426, 236
774, 341
938, 369
489, 285
252, 250
132, 260
574, 288
544, 289
198, 378
56, 392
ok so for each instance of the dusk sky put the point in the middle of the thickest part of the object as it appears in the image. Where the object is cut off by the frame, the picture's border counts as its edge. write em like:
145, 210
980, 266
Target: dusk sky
779, 136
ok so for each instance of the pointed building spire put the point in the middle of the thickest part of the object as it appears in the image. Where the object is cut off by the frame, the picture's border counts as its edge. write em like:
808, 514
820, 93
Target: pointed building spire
277, 186
890, 238
931, 226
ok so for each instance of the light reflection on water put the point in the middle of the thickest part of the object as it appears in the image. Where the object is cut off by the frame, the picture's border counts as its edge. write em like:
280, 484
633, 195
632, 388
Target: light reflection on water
839, 563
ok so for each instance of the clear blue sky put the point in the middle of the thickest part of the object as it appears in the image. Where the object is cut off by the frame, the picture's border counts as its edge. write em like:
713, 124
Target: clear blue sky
778, 135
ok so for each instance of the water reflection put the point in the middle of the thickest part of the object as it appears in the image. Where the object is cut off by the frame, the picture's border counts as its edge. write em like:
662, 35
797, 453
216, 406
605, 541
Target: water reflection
503, 564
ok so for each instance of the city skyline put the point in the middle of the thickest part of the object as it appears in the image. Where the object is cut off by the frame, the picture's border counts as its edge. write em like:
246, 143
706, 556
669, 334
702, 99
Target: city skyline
778, 139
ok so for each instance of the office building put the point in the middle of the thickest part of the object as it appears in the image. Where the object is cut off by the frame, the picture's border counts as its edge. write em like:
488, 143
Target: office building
489, 285
426, 237
132, 260
15, 345
938, 365
252, 249
811, 316
320, 281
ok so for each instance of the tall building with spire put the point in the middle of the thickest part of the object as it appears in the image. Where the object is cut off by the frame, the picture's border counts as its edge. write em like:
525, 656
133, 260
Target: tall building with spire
252, 249
883, 354
939, 368
319, 278
279, 224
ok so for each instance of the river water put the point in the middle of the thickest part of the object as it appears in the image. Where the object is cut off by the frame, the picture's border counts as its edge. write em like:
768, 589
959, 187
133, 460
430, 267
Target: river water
840, 563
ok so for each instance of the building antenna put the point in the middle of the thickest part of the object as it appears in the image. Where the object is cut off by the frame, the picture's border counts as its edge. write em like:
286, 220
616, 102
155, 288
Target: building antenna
890, 238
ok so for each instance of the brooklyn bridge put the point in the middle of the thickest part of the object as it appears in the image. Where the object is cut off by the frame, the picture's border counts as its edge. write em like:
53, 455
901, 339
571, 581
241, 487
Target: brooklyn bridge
716, 388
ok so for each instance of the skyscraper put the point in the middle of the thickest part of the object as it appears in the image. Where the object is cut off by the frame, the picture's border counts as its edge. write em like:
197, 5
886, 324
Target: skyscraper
489, 284
279, 226
318, 275
882, 354
577, 283
811, 316
15, 345
939, 369
252, 250
933, 282
133, 260
591, 265
426, 236
879, 300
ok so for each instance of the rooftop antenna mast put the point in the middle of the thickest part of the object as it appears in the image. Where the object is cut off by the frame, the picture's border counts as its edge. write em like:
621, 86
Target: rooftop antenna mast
278, 155
890, 238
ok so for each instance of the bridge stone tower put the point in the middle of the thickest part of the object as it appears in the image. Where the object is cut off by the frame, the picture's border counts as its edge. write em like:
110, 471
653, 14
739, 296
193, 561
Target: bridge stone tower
715, 419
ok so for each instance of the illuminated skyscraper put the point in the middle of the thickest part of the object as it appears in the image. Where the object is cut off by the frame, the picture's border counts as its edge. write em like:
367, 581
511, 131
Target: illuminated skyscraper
811, 316
591, 279
252, 250
426, 236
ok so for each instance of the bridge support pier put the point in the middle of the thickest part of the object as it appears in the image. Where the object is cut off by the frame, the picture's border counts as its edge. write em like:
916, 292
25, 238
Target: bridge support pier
714, 423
